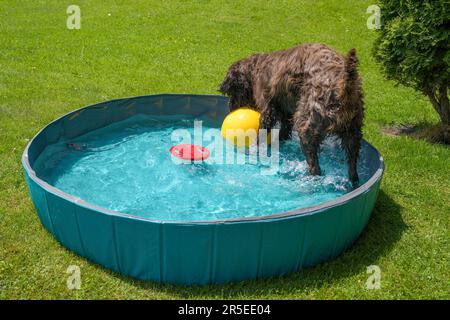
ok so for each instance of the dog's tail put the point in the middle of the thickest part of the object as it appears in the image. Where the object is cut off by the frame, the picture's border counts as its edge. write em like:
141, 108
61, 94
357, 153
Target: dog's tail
351, 67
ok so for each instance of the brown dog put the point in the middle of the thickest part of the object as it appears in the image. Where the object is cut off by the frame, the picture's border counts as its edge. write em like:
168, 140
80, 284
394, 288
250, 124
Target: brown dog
309, 88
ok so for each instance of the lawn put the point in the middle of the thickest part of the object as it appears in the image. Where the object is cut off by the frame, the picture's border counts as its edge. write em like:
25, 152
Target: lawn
130, 48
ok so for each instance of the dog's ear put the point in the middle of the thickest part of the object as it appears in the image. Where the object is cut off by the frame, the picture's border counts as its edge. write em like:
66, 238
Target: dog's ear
232, 83
236, 79
237, 86
226, 84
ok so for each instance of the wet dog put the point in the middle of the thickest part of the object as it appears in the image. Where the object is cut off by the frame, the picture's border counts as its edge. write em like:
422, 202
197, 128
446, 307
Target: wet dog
309, 88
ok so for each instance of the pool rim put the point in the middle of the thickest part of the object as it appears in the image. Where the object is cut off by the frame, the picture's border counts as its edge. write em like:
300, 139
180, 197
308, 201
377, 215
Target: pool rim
308, 210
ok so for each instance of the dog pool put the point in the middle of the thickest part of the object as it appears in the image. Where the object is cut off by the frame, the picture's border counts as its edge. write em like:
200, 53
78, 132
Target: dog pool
126, 167
106, 186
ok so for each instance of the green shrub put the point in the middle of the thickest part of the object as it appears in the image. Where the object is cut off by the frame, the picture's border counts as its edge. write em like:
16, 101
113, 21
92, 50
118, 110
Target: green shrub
413, 47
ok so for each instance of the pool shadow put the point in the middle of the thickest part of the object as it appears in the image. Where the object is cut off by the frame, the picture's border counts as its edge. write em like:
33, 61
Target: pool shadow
384, 229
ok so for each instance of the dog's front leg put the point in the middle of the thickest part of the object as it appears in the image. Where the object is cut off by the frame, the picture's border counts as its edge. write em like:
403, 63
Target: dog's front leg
267, 120
286, 128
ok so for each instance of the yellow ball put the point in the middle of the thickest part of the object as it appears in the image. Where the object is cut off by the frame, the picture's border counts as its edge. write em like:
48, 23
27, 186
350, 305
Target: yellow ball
241, 127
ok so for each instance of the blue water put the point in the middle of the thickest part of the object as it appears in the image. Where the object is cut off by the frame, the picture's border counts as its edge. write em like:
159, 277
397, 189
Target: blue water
127, 167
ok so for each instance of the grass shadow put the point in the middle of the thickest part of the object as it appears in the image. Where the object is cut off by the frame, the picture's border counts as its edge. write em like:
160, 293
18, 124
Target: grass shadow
384, 229
431, 132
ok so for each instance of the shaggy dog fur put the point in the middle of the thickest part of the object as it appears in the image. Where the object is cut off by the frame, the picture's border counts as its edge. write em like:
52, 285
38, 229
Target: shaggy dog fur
309, 88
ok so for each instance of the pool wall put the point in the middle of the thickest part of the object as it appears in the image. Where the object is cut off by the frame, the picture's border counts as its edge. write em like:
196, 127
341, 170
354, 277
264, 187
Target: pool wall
192, 252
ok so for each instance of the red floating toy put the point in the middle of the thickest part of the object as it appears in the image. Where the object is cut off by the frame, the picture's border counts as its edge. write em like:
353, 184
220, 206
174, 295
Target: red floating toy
190, 152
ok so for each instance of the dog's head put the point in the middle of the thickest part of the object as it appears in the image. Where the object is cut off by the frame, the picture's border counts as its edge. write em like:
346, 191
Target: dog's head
237, 85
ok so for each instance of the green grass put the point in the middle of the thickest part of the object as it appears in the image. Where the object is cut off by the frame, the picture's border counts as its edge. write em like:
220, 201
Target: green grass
141, 47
